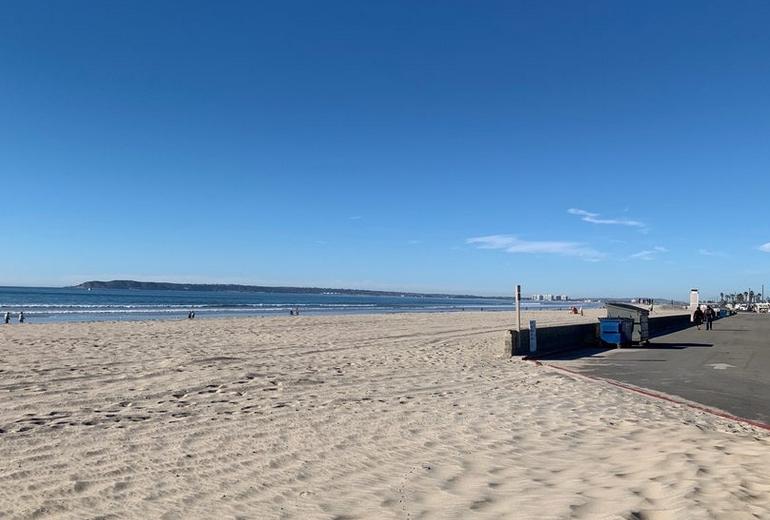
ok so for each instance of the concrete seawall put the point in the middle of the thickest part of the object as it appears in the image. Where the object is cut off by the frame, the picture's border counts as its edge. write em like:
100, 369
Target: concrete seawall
553, 339
664, 324
570, 337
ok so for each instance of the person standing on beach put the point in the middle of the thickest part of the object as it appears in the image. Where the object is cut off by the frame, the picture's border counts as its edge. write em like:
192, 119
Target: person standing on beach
697, 317
709, 317
21, 317
7, 317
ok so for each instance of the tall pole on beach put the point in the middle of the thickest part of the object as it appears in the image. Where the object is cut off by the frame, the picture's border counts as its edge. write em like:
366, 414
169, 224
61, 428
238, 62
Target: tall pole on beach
518, 317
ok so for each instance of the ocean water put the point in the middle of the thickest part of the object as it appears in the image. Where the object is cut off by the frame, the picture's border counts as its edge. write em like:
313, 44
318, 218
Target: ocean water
41, 305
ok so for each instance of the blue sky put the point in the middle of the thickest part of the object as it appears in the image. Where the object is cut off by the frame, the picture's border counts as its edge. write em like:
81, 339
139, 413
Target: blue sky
602, 148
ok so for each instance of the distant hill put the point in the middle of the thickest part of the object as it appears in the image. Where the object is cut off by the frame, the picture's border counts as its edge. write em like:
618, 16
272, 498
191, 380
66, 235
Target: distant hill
167, 286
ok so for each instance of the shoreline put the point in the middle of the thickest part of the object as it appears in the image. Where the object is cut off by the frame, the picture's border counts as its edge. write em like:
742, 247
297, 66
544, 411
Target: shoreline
310, 314
202, 314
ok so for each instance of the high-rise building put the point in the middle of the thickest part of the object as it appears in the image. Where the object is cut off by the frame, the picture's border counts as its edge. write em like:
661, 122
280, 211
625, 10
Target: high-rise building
550, 297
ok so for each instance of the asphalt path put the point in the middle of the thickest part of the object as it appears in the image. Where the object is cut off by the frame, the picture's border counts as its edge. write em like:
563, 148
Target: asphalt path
726, 368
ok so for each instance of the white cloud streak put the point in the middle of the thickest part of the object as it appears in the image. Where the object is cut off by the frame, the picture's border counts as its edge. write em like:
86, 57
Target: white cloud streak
595, 218
649, 254
513, 244
765, 248
708, 252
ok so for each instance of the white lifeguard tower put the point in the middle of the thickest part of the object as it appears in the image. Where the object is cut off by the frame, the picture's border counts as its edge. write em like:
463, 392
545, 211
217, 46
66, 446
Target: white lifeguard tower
694, 302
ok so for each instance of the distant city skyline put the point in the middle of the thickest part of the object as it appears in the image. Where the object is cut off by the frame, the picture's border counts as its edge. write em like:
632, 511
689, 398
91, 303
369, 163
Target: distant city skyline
604, 149
550, 297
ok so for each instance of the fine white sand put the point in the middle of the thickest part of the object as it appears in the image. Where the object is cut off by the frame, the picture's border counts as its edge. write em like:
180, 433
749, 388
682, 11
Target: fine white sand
382, 416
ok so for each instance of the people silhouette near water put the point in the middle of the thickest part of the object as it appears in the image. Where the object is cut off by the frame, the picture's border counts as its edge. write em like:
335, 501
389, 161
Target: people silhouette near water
21, 317
7, 317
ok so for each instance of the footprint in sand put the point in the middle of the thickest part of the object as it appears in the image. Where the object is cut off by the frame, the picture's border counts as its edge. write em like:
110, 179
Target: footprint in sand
80, 486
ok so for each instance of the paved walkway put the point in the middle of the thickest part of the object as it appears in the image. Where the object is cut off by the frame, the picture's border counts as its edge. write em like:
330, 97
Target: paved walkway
726, 368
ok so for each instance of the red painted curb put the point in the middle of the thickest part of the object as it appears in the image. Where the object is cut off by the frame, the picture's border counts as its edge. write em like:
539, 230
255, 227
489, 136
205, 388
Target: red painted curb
663, 397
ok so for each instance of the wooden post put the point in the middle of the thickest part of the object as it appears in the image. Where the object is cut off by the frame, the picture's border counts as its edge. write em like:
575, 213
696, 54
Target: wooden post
532, 336
518, 318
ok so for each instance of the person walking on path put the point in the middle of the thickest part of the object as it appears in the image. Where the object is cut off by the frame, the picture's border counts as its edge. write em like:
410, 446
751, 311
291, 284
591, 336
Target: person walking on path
710, 315
697, 317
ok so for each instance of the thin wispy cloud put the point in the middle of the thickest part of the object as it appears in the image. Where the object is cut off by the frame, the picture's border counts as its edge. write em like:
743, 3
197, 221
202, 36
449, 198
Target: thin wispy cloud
708, 252
355, 217
513, 244
765, 248
649, 254
596, 218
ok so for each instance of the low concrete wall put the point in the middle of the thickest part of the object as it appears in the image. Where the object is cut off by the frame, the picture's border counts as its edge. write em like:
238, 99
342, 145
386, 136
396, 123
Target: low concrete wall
661, 325
569, 337
553, 339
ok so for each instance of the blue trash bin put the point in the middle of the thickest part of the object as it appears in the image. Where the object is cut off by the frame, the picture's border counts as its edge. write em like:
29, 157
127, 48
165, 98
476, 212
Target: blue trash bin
616, 331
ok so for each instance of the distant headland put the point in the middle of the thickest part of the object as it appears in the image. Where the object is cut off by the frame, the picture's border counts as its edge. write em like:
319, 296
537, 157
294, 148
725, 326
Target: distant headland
168, 286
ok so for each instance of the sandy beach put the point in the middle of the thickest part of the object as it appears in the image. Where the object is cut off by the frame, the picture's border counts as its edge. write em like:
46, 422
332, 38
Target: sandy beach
400, 416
